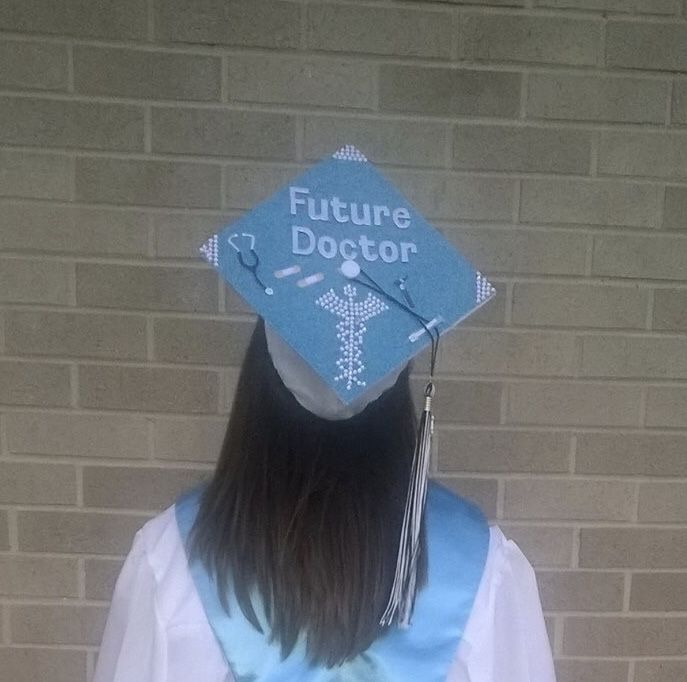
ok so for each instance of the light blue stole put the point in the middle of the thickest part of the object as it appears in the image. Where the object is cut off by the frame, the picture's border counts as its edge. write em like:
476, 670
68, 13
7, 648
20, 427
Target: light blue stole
458, 541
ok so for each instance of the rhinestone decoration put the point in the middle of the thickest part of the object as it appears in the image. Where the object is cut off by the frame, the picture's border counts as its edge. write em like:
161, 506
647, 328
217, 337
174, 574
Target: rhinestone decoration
349, 153
210, 251
352, 314
484, 288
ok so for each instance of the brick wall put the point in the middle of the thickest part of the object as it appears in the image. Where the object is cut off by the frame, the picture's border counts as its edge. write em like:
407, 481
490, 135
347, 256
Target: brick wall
547, 139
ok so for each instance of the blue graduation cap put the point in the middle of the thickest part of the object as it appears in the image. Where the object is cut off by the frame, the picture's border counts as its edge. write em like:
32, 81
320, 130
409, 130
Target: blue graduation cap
348, 273
352, 283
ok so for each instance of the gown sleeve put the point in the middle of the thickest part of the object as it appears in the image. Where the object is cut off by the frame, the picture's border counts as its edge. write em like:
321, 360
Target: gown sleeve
505, 637
134, 645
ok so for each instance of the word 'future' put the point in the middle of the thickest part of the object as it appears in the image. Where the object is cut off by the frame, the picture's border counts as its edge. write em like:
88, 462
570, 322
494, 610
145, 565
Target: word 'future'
304, 242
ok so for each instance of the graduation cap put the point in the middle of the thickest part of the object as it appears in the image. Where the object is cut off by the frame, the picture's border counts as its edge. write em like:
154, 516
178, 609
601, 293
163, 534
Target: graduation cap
352, 283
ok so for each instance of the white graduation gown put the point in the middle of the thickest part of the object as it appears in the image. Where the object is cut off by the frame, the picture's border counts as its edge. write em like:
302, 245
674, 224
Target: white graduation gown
157, 630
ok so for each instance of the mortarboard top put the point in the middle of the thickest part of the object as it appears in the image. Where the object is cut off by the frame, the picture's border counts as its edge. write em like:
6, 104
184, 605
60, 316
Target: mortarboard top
302, 260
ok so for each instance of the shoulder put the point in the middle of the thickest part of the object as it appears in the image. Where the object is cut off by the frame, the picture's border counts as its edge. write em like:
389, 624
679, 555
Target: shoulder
159, 537
506, 558
450, 507
459, 517
455, 522
508, 578
506, 616
160, 550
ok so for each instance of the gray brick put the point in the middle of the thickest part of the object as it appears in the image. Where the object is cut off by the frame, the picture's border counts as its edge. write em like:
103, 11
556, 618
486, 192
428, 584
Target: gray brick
148, 183
109, 436
58, 624
137, 488
619, 99
28, 664
70, 229
494, 3
75, 334
82, 18
579, 305
628, 6
522, 252
675, 217
522, 148
33, 65
299, 80
625, 636
449, 92
148, 389
632, 357
379, 30
101, 576
68, 124
679, 104
224, 133
632, 454
662, 502
395, 142
615, 547
667, 407
574, 404
206, 342
247, 185
563, 499
504, 352
233, 303
180, 235
77, 532
24, 383
478, 451
24, 280
4, 533
580, 591
663, 156
188, 440
450, 197
151, 287
572, 670
543, 545
509, 37
660, 671
240, 22
480, 491
656, 257
159, 75
643, 45
29, 483
465, 402
35, 176
590, 202
670, 309
31, 576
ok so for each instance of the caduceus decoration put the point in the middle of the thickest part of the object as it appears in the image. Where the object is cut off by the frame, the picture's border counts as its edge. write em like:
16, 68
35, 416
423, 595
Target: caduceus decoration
352, 314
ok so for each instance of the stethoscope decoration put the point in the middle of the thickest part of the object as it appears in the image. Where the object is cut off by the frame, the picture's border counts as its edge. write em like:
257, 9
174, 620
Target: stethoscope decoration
401, 284
251, 267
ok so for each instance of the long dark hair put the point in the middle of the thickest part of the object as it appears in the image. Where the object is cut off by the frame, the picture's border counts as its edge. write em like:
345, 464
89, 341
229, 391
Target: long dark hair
307, 511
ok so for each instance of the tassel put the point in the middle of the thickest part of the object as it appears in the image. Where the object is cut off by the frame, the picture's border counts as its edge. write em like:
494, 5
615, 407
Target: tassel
402, 598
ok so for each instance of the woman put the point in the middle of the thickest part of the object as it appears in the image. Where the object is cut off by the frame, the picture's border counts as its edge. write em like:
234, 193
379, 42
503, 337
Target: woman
317, 552
303, 514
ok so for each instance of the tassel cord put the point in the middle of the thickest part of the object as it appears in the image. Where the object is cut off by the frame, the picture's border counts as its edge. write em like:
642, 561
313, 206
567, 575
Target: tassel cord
403, 590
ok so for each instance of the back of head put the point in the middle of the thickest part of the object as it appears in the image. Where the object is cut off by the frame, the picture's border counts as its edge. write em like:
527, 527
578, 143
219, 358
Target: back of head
306, 512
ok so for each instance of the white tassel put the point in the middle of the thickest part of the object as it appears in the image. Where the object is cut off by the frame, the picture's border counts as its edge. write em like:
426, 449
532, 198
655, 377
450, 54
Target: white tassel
402, 598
